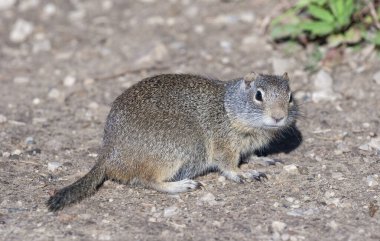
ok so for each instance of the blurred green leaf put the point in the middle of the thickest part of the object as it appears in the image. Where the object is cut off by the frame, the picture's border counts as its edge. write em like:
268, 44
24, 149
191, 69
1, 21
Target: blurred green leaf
289, 30
318, 28
336, 21
342, 10
289, 17
320, 13
305, 3
376, 39
335, 40
353, 35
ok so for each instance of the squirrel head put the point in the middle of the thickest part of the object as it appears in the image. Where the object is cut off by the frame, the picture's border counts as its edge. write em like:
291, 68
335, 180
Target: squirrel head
262, 101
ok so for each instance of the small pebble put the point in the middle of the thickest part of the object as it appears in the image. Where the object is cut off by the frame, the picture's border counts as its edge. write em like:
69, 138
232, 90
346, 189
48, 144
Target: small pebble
338, 175
33, 151
295, 206
159, 53
290, 199
343, 147
333, 201
21, 80
16, 152
93, 154
93, 105
323, 85
170, 211
41, 45
249, 41
372, 180
29, 140
226, 45
208, 198
6, 154
199, 29
21, 31
376, 77
224, 19
247, 17
221, 178
3, 119
291, 169
107, 5
88, 81
104, 236
36, 101
53, 166
332, 224
365, 147
28, 4
49, 10
278, 227
69, 81
285, 237
225, 60
329, 194
155, 20
375, 143
77, 15
54, 93
38, 120
7, 4
366, 125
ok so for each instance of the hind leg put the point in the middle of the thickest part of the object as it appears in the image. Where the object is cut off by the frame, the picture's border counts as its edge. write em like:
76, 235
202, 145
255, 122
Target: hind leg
184, 185
158, 175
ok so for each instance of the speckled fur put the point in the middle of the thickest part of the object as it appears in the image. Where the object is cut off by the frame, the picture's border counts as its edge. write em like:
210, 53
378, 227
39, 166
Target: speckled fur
173, 127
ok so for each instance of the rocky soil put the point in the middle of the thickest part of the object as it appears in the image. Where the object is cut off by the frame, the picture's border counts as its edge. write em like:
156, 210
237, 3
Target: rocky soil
62, 64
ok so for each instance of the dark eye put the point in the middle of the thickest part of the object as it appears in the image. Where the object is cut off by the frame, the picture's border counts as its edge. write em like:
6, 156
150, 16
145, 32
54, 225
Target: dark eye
291, 98
259, 96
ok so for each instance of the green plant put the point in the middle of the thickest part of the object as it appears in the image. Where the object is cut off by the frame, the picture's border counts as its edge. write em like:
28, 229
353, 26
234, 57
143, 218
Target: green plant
333, 22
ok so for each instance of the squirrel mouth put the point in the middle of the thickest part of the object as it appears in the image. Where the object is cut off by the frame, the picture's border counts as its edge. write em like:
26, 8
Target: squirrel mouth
272, 126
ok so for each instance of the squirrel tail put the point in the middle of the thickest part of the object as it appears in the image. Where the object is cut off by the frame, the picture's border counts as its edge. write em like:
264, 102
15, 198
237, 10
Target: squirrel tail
84, 187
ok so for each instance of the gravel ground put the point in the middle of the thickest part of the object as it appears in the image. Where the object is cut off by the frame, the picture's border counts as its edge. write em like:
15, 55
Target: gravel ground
63, 63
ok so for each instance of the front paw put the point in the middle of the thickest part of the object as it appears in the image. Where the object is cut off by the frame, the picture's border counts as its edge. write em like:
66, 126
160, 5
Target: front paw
254, 175
234, 176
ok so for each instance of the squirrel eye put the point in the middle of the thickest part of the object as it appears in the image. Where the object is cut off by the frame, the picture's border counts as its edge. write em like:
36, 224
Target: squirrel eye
291, 98
259, 96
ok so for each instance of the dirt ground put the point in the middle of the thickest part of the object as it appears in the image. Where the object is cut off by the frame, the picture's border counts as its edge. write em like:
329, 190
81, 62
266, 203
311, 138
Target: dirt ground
63, 63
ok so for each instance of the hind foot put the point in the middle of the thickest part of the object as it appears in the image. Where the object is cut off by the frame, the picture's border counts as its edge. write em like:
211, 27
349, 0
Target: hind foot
185, 185
242, 176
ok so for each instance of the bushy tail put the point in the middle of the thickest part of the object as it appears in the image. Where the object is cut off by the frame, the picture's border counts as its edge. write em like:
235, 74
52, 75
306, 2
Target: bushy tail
80, 189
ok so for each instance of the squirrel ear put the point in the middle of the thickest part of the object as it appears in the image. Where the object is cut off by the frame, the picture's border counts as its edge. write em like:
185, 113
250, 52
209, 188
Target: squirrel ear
249, 78
285, 76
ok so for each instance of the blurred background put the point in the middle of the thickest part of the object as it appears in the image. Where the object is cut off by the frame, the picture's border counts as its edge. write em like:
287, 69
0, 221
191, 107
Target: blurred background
62, 63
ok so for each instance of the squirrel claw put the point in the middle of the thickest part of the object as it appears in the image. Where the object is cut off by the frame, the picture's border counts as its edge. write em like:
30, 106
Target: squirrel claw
233, 176
200, 186
260, 176
241, 179
255, 175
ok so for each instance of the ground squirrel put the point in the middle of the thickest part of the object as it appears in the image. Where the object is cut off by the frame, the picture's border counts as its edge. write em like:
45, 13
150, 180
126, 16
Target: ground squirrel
167, 129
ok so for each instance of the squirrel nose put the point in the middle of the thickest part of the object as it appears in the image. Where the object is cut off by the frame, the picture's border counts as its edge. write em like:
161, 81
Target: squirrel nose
278, 119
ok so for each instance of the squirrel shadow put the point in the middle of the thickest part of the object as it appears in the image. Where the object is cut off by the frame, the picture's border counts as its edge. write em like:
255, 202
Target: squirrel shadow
290, 139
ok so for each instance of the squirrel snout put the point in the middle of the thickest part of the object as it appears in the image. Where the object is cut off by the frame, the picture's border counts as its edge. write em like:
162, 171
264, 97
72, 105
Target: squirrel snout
278, 119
